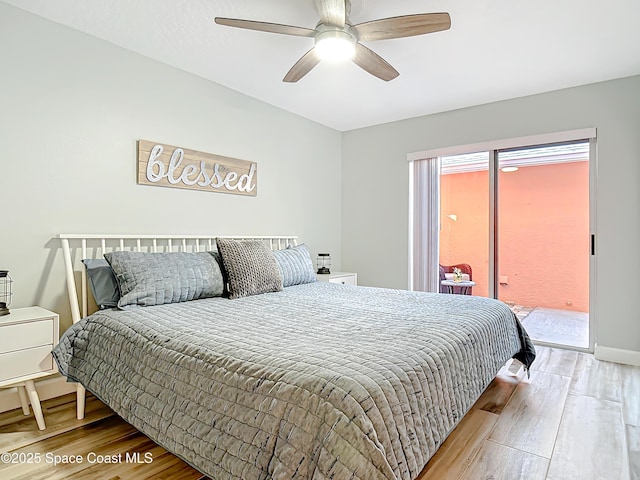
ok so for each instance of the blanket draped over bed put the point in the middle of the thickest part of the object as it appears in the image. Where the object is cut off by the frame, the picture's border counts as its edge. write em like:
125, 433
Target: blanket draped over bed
318, 381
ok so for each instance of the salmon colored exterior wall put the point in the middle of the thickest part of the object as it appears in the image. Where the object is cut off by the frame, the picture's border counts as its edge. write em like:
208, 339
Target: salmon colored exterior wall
543, 233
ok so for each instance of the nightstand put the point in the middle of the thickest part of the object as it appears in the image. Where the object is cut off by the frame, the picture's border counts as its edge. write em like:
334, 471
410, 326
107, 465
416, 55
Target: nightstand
345, 278
27, 336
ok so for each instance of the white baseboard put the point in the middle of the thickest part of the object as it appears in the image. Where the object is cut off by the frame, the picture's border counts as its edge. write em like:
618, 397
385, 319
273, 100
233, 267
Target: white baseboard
50, 387
617, 355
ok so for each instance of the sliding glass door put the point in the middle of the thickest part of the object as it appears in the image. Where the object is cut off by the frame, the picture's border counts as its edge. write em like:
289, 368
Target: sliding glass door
543, 241
517, 223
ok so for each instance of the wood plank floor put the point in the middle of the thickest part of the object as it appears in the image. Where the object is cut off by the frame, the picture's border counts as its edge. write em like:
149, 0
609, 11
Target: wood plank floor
575, 418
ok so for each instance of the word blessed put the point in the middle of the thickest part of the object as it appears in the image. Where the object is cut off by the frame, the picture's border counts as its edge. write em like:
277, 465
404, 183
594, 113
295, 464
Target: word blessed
194, 170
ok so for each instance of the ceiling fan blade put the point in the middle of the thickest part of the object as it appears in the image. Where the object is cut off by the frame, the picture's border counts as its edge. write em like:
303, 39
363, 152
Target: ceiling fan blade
403, 26
373, 63
266, 27
332, 12
302, 67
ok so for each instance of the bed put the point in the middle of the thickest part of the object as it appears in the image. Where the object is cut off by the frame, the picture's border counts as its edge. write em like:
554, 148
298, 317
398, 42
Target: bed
310, 381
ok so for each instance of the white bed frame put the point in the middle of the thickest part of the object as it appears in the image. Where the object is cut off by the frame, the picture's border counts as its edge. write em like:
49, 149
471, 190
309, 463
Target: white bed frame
76, 247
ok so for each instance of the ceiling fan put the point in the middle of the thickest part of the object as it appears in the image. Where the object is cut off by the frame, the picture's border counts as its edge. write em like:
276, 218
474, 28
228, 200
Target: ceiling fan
335, 37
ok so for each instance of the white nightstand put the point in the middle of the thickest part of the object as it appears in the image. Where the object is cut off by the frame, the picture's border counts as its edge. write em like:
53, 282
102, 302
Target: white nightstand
27, 336
345, 278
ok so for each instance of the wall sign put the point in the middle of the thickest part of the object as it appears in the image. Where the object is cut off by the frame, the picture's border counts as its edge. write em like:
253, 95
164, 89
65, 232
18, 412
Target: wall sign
169, 166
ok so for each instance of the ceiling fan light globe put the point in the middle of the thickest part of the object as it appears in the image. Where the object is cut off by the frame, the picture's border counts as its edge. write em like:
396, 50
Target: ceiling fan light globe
335, 46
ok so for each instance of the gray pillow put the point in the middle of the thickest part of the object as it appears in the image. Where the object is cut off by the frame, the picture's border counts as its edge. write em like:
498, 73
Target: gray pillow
157, 278
296, 266
103, 283
251, 267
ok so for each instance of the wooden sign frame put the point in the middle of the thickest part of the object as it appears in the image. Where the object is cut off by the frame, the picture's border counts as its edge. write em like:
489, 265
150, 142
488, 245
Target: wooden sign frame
176, 167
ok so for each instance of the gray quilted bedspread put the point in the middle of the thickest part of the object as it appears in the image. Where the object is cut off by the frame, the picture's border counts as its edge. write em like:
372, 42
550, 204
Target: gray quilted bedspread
319, 381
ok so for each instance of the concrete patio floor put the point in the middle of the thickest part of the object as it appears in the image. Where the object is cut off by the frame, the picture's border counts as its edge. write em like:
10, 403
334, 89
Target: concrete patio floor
561, 327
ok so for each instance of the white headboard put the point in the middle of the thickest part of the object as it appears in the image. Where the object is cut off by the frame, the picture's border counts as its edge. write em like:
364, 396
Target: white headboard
76, 247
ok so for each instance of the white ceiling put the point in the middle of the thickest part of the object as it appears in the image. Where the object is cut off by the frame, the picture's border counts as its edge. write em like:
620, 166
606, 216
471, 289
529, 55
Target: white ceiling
495, 50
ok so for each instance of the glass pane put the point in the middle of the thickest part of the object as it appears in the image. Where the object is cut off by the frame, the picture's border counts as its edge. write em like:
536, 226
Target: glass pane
464, 219
543, 240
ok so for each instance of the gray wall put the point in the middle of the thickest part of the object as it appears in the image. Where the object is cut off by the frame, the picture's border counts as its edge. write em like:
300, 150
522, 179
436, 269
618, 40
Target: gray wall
72, 108
375, 187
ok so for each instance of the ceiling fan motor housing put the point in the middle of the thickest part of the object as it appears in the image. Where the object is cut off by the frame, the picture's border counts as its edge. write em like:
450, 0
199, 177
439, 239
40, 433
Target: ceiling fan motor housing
335, 43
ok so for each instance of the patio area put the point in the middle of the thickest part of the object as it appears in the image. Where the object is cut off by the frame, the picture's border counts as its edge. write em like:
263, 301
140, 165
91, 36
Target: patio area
549, 325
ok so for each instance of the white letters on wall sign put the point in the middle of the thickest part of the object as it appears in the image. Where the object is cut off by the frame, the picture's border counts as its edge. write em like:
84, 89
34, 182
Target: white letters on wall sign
169, 166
